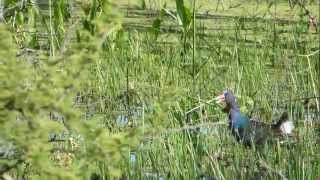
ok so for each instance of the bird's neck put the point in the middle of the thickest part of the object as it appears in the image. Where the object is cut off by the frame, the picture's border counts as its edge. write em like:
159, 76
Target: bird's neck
234, 112
234, 107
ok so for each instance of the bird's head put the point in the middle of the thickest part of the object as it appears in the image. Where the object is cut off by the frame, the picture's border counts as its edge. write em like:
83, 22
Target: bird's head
227, 100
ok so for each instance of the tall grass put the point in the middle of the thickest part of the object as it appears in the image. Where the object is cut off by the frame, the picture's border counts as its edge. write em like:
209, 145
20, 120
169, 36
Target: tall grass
268, 64
148, 85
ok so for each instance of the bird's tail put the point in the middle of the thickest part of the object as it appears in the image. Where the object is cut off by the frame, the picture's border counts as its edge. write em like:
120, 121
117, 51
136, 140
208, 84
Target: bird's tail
284, 126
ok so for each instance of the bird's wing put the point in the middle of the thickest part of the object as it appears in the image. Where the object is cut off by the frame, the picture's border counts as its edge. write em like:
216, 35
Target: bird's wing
260, 131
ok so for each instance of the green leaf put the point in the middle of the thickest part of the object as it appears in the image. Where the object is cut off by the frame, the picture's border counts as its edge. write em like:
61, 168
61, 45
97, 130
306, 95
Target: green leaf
156, 27
184, 15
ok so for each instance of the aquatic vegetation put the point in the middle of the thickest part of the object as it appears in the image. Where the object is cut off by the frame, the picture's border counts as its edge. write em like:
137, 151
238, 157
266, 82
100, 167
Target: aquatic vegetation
125, 89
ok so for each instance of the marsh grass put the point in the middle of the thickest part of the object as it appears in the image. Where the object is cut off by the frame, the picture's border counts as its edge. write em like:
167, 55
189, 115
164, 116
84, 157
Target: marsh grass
271, 65
268, 64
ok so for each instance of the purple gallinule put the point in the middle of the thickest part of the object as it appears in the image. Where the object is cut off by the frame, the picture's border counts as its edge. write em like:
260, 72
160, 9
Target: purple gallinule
250, 131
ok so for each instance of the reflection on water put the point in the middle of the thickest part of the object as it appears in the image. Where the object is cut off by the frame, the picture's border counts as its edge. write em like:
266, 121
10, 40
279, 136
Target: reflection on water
133, 158
122, 121
134, 113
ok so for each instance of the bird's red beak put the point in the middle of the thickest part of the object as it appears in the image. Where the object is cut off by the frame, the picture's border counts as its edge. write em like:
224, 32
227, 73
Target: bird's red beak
220, 99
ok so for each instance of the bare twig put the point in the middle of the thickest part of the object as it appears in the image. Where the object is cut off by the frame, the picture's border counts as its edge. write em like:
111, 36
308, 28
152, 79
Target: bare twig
200, 106
311, 54
184, 128
193, 127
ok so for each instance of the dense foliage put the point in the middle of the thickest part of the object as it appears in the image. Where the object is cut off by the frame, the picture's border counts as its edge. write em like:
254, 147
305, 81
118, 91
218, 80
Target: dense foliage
39, 99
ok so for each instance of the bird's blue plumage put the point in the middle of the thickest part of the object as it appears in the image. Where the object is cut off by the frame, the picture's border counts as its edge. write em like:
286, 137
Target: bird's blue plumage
239, 121
239, 124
